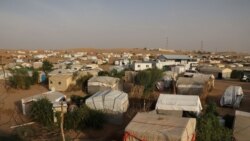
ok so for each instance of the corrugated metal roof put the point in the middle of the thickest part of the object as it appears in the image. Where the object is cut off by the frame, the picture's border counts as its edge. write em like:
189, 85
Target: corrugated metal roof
175, 57
52, 96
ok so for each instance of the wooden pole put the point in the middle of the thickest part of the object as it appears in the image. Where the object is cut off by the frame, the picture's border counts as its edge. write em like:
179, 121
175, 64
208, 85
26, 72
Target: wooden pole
2, 65
62, 121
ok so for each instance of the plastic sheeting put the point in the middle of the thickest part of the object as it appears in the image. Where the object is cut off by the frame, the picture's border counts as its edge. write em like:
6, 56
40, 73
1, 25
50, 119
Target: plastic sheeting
110, 100
232, 96
241, 126
172, 102
153, 127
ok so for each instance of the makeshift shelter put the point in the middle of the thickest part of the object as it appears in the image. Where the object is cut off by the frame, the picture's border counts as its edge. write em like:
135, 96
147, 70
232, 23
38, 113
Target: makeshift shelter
173, 102
192, 86
112, 102
52, 96
154, 127
241, 128
167, 80
130, 76
209, 78
178, 69
100, 83
219, 73
232, 96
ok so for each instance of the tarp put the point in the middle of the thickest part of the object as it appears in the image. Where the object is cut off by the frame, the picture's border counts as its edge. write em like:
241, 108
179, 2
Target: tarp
154, 127
112, 100
52, 96
103, 81
232, 96
241, 126
173, 102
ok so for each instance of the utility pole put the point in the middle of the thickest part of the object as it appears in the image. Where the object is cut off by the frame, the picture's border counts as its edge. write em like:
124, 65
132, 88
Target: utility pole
167, 43
201, 45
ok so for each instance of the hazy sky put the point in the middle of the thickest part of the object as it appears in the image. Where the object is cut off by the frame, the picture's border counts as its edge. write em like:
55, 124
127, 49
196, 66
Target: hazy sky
55, 24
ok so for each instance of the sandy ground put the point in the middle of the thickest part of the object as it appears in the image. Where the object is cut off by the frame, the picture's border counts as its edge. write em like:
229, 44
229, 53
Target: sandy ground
10, 105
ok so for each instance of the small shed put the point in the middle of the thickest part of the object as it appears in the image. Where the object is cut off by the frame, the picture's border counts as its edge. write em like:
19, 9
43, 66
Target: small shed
154, 127
60, 82
52, 96
191, 86
173, 102
100, 83
113, 102
241, 128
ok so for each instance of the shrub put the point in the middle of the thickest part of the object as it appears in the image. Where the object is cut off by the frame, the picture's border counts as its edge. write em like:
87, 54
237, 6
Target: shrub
41, 111
103, 73
209, 128
112, 73
83, 118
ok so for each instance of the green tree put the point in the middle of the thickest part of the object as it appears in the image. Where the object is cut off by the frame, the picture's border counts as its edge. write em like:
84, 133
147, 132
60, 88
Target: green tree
148, 78
35, 76
209, 128
41, 111
82, 82
115, 73
47, 66
20, 78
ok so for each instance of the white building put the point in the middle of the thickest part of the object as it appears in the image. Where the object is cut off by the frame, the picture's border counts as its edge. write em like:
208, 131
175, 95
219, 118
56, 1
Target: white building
167, 60
40, 56
138, 66
122, 62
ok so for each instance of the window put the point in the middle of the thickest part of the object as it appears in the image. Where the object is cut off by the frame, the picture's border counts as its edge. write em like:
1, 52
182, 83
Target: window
51, 82
138, 66
59, 83
147, 66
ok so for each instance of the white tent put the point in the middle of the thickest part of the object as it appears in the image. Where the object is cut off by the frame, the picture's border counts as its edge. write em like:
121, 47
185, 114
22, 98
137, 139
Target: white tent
173, 102
232, 96
111, 100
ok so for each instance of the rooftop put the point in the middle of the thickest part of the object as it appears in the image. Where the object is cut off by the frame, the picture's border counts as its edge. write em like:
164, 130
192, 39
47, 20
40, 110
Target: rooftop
174, 57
